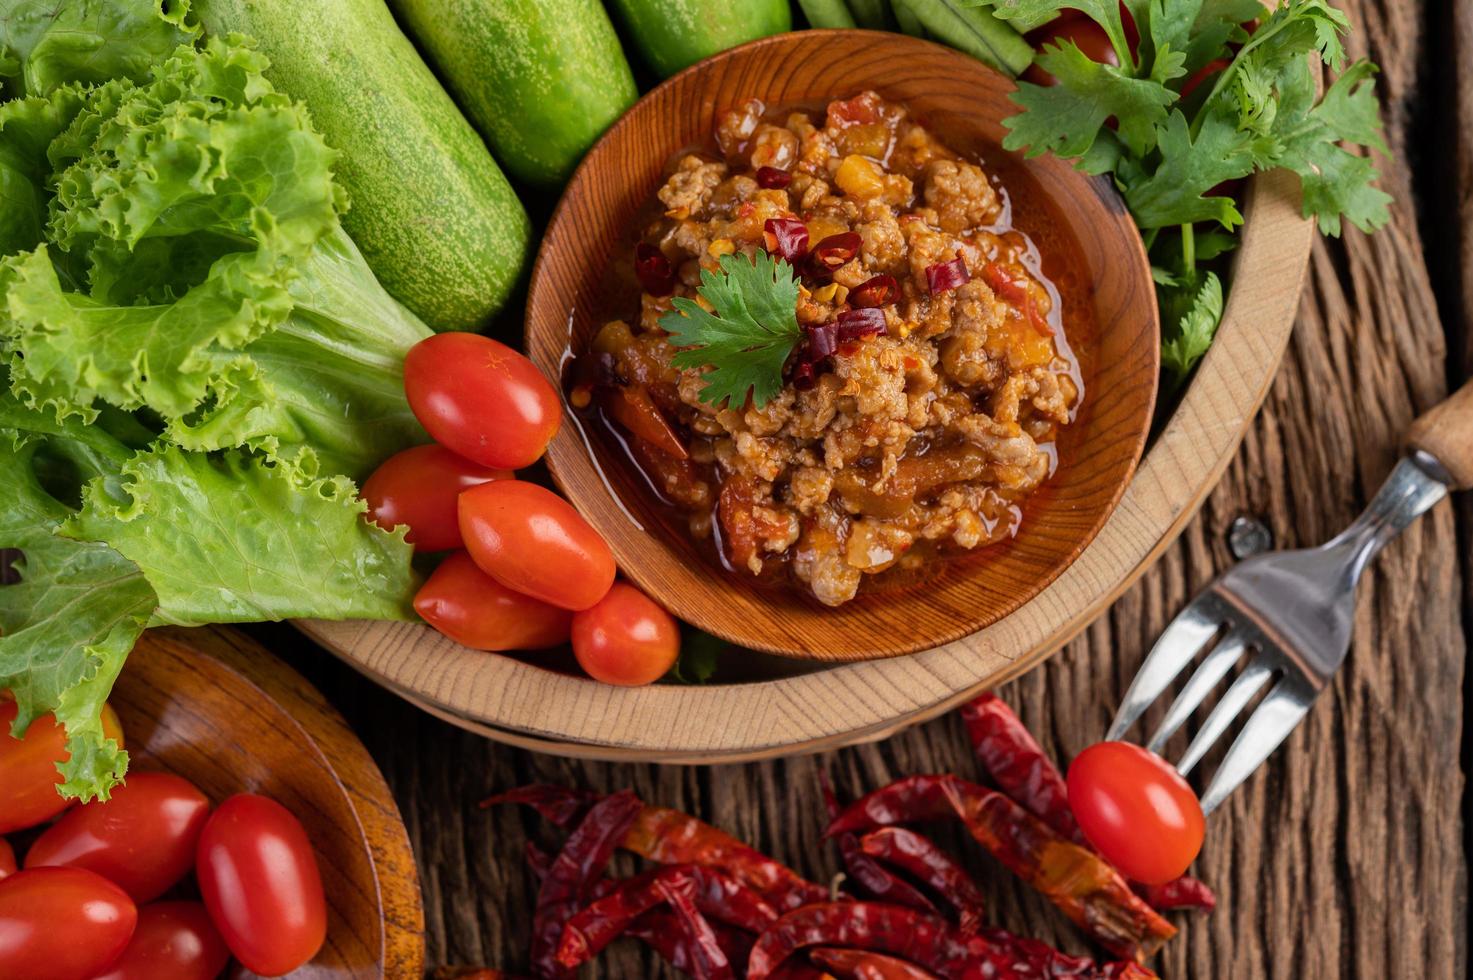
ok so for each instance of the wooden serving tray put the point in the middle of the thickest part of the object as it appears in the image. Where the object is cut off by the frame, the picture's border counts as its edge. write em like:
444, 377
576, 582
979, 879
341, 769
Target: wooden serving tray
525, 705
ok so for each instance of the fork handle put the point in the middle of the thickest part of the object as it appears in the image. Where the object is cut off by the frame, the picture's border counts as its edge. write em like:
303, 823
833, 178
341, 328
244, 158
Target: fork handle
1446, 433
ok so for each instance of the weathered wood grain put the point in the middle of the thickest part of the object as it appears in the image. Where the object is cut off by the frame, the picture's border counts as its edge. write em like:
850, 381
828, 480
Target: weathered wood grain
1344, 858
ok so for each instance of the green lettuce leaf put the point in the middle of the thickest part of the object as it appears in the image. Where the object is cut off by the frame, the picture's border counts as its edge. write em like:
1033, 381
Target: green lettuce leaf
27, 127
220, 291
68, 623
235, 537
45, 44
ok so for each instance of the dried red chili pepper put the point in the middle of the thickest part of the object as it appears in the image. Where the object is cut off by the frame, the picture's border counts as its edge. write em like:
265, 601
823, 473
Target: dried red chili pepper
1185, 893
877, 291
871, 875
822, 341
558, 805
852, 325
577, 866
803, 374
786, 238
771, 178
672, 837
538, 861
1018, 765
833, 252
1017, 294
921, 858
944, 276
1032, 957
1083, 886
859, 964
653, 270
600, 923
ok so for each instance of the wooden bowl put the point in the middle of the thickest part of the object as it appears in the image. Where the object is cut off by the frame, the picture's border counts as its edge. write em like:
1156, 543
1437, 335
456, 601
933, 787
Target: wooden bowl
1112, 324
219, 710
781, 706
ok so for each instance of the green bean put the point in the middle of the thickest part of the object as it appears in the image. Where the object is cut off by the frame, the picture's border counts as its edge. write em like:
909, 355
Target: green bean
873, 15
826, 13
975, 31
907, 19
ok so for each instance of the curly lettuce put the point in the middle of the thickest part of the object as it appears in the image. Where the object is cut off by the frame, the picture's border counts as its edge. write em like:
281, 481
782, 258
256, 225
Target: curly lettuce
45, 44
196, 364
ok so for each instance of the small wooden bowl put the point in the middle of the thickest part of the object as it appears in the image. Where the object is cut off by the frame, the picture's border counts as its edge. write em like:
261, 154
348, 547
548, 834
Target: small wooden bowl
1064, 211
217, 709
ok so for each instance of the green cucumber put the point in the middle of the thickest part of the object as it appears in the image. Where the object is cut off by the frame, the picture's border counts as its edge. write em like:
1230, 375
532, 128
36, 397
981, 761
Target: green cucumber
675, 34
431, 211
975, 31
541, 79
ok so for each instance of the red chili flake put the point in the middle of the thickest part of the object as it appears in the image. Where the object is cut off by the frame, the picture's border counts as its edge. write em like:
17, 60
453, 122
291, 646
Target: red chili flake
857, 324
946, 275
803, 375
653, 270
833, 252
786, 238
745, 209
822, 340
881, 290
771, 178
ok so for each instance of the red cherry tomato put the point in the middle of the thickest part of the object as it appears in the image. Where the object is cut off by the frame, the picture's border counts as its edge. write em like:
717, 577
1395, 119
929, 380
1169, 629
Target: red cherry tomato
474, 609
7, 859
62, 924
260, 884
1088, 36
1136, 810
1201, 75
173, 941
142, 840
626, 639
481, 399
532, 541
419, 487
28, 767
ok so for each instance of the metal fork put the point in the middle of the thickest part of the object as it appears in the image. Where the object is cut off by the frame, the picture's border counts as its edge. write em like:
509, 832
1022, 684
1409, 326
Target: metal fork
1295, 609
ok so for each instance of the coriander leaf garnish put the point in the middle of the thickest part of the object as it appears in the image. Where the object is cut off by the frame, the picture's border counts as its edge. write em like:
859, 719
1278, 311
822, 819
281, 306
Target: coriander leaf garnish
1193, 331
746, 341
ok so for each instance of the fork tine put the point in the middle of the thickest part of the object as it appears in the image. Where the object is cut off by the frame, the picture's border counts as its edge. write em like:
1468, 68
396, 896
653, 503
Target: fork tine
1213, 669
1266, 728
1186, 635
1254, 676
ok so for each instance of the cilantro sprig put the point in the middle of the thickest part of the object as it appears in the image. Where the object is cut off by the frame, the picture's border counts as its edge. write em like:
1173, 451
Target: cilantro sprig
748, 338
1199, 100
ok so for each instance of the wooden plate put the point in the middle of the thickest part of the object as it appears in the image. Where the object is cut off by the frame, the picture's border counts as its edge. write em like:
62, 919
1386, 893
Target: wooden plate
1090, 247
218, 709
517, 702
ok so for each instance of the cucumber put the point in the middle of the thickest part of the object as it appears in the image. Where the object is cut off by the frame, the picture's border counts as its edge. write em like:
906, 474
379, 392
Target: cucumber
675, 34
430, 209
872, 15
541, 79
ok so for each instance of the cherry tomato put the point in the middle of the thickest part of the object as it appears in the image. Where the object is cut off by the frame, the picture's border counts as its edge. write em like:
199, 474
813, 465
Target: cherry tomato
1088, 36
28, 767
7, 859
62, 924
481, 399
626, 639
532, 541
142, 840
1136, 810
419, 487
173, 941
1201, 75
474, 609
260, 884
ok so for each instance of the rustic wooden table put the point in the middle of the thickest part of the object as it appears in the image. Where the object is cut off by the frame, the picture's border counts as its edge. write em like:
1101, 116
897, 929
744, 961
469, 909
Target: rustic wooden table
1345, 857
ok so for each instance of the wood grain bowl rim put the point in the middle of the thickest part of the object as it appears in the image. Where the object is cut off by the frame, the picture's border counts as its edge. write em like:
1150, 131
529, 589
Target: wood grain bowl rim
968, 593
520, 704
